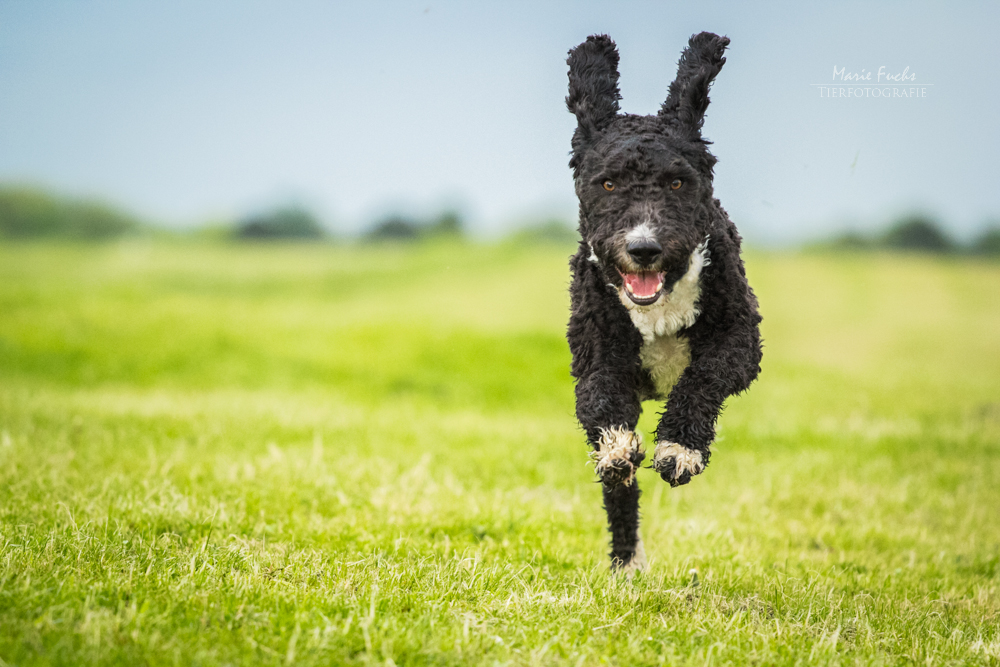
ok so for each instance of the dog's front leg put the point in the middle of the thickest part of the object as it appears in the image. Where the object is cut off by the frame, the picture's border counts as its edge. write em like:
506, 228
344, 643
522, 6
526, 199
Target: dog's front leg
608, 409
720, 367
605, 346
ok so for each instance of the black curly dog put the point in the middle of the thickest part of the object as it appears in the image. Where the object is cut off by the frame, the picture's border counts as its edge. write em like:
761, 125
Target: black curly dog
661, 307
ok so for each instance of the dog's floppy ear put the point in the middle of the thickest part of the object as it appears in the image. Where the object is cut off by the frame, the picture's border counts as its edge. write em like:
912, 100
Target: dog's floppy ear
593, 83
688, 97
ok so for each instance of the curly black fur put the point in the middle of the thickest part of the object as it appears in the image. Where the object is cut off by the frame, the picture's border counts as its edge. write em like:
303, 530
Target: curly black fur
647, 213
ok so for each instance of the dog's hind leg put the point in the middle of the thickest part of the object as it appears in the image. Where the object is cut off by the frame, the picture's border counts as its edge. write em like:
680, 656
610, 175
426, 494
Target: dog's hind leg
622, 504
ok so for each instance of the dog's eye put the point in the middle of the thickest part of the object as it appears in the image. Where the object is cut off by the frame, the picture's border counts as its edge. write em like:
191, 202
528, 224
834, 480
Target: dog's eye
676, 184
609, 185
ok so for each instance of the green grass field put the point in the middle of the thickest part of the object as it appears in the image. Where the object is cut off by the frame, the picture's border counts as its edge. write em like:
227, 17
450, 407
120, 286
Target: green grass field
216, 454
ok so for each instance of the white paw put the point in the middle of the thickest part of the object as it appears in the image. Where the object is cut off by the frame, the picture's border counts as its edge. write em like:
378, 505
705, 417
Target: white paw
675, 463
618, 456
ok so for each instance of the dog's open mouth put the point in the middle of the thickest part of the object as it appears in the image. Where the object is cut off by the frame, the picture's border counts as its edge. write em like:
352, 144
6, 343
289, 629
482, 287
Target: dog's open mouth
643, 288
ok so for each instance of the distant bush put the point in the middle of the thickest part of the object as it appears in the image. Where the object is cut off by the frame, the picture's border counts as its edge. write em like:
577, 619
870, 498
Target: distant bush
394, 228
851, 240
987, 243
401, 228
32, 213
285, 223
448, 223
917, 232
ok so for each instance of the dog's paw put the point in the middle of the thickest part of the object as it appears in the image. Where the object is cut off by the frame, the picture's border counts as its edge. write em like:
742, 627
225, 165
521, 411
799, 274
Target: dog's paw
618, 456
677, 464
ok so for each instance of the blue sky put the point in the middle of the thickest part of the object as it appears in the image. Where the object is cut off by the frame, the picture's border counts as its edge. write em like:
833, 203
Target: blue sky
193, 111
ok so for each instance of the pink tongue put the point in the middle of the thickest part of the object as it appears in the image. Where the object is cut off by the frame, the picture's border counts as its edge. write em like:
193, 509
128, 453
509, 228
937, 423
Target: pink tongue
643, 284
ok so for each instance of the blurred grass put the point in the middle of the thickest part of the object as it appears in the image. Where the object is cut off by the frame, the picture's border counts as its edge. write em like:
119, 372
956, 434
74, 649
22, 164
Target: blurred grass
310, 454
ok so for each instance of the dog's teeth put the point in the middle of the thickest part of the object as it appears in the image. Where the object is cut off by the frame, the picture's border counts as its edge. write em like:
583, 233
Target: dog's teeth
629, 288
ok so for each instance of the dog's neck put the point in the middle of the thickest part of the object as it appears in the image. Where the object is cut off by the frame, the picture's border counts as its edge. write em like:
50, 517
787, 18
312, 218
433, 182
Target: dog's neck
677, 310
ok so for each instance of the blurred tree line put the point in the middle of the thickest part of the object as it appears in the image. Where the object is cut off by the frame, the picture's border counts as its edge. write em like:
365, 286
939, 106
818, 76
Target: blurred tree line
402, 228
33, 213
297, 223
920, 233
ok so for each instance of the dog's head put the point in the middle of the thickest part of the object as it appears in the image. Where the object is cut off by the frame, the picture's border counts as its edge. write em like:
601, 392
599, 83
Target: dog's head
644, 182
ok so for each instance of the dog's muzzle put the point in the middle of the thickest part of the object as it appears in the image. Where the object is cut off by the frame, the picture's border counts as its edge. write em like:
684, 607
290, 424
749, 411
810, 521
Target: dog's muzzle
644, 286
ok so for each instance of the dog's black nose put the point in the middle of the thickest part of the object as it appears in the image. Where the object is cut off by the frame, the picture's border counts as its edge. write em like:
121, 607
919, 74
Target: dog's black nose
644, 251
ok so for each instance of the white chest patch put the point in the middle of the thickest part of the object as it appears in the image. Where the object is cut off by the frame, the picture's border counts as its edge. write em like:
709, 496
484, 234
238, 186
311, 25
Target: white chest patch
664, 354
665, 357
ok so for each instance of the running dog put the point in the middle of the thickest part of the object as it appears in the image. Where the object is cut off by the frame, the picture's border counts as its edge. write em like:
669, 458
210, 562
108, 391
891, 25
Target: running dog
661, 307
